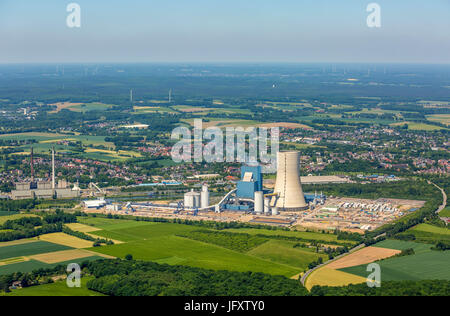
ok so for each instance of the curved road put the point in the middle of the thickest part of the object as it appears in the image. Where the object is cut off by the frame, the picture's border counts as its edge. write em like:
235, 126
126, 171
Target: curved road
444, 198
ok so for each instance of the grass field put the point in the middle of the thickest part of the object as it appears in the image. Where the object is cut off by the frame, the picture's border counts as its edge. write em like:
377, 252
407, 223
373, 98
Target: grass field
429, 233
31, 265
324, 238
283, 252
419, 126
6, 213
425, 264
158, 242
45, 141
431, 265
440, 118
5, 218
29, 249
445, 212
59, 288
403, 245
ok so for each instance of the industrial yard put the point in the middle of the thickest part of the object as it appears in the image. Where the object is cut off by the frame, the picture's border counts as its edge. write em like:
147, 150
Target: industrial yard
346, 214
286, 205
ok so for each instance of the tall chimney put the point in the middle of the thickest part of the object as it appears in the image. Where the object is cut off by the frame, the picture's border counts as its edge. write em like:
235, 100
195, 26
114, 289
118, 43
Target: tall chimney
32, 165
53, 167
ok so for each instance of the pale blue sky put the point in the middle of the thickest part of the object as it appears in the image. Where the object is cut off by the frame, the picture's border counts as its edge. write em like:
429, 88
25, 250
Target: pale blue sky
225, 31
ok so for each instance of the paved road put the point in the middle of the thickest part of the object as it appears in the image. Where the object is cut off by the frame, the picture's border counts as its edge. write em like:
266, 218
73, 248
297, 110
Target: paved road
444, 198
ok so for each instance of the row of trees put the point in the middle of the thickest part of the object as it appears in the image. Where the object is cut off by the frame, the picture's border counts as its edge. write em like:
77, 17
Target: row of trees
28, 227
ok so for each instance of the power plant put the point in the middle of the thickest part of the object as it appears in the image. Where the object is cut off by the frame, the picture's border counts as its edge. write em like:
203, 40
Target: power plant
44, 189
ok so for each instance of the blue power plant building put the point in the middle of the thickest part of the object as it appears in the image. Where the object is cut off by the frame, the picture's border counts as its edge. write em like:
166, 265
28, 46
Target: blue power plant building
251, 182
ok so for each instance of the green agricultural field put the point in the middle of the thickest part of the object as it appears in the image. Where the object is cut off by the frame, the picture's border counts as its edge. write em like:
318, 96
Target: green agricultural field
32, 265
425, 264
95, 106
196, 254
440, 118
143, 231
419, 126
284, 252
430, 265
323, 238
45, 141
445, 212
6, 213
4, 218
403, 245
429, 233
159, 242
111, 224
59, 288
28, 249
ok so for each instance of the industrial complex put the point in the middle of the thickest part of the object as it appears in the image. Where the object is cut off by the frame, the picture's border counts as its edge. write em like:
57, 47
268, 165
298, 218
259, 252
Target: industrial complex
284, 205
44, 189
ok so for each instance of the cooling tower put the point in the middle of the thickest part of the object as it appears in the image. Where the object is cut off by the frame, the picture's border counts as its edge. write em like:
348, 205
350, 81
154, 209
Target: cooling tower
288, 186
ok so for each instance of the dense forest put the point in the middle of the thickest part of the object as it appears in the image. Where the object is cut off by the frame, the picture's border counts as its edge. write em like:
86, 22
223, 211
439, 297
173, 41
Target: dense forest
136, 278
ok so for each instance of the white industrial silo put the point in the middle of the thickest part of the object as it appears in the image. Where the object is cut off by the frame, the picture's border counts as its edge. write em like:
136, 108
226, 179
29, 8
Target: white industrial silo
204, 197
267, 206
288, 187
259, 202
192, 199
275, 211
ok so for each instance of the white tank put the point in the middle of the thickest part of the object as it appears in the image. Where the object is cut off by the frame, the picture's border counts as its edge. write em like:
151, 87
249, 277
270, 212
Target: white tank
266, 205
275, 211
192, 199
204, 197
259, 202
288, 186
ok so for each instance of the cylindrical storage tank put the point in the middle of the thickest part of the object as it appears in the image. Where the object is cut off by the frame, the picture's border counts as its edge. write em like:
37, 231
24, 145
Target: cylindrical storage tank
188, 200
259, 202
196, 199
204, 197
192, 199
275, 211
266, 205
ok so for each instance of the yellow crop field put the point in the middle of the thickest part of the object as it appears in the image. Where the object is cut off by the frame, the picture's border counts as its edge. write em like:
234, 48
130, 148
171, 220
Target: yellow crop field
363, 256
115, 154
66, 240
13, 260
82, 228
61, 256
16, 242
329, 277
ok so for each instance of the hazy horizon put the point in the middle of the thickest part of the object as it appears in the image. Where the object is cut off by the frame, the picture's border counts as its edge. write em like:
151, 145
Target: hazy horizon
205, 31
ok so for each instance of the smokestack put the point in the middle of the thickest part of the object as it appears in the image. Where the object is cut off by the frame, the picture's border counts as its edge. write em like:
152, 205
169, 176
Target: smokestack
288, 188
53, 168
32, 165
